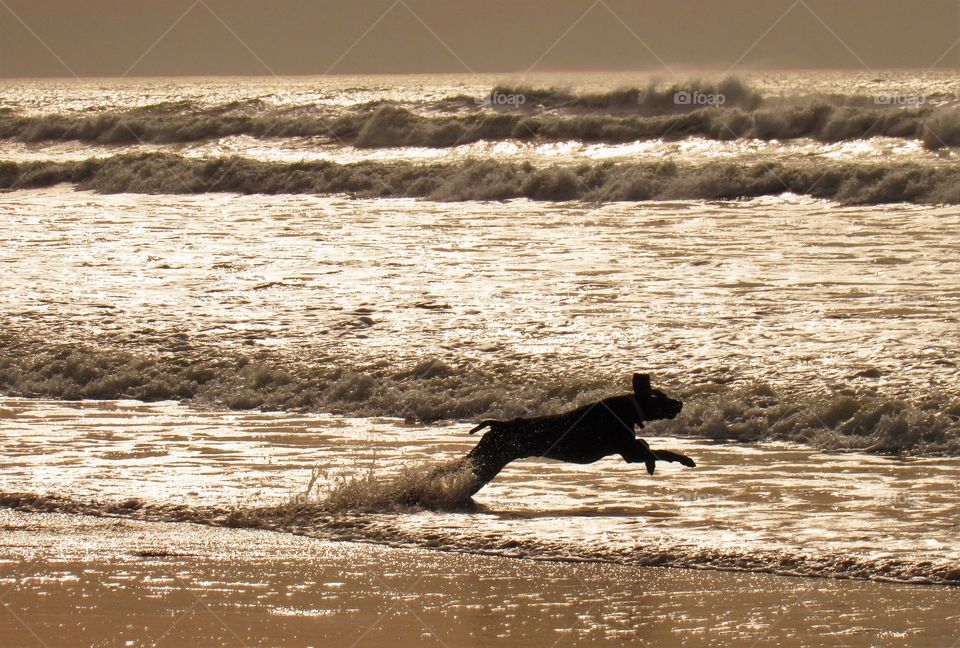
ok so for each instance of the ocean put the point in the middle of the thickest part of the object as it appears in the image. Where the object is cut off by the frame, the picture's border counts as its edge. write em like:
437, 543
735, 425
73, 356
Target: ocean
277, 303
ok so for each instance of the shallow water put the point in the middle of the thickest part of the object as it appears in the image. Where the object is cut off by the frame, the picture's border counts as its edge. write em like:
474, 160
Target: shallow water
854, 310
778, 508
776, 289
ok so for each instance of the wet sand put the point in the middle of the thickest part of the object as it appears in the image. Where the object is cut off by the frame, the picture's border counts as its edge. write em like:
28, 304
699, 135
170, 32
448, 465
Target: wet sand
86, 581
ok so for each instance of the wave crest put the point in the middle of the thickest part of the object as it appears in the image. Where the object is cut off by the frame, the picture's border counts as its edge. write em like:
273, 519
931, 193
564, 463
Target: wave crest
846, 420
547, 114
850, 419
157, 173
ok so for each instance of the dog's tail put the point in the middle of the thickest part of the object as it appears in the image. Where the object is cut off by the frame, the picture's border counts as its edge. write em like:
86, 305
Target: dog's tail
482, 425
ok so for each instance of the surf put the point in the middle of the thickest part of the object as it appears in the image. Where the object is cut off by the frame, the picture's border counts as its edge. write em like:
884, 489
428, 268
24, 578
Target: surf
347, 515
484, 179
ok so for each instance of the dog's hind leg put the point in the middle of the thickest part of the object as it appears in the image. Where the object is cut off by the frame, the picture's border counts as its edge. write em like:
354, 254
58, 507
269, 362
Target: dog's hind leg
494, 451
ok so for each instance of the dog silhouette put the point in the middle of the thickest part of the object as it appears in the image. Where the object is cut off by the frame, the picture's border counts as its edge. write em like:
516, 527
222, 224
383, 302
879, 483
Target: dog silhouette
583, 436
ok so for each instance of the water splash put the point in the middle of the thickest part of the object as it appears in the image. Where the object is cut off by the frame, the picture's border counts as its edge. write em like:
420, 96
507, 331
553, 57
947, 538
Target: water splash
429, 486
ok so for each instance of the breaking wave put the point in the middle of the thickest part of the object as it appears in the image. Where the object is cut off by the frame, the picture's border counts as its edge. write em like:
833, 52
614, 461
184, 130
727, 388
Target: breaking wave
550, 114
854, 417
650, 99
159, 173
315, 519
393, 126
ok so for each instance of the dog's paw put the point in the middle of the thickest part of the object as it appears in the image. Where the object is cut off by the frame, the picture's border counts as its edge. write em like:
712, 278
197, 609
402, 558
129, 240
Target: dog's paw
666, 455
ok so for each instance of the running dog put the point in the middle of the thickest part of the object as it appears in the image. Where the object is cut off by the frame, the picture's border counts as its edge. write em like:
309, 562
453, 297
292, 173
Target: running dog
582, 436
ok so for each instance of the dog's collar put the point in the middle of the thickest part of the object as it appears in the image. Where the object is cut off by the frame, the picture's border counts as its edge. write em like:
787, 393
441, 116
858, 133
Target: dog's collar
638, 409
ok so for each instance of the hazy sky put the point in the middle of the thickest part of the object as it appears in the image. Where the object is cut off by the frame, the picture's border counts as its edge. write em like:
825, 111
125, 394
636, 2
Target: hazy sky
109, 37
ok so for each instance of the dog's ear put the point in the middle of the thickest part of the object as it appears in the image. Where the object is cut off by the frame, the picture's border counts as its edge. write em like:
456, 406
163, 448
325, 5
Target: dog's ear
641, 383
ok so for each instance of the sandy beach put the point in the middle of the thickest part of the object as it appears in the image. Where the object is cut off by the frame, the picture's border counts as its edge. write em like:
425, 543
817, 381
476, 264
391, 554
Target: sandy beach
79, 580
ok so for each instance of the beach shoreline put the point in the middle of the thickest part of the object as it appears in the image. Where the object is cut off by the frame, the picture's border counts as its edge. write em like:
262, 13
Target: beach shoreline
81, 580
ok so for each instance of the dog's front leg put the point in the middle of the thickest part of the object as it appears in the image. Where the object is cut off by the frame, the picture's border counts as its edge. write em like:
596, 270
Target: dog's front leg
667, 455
639, 451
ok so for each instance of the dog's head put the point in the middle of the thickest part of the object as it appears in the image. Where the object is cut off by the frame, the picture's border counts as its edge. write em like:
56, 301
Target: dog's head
654, 403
